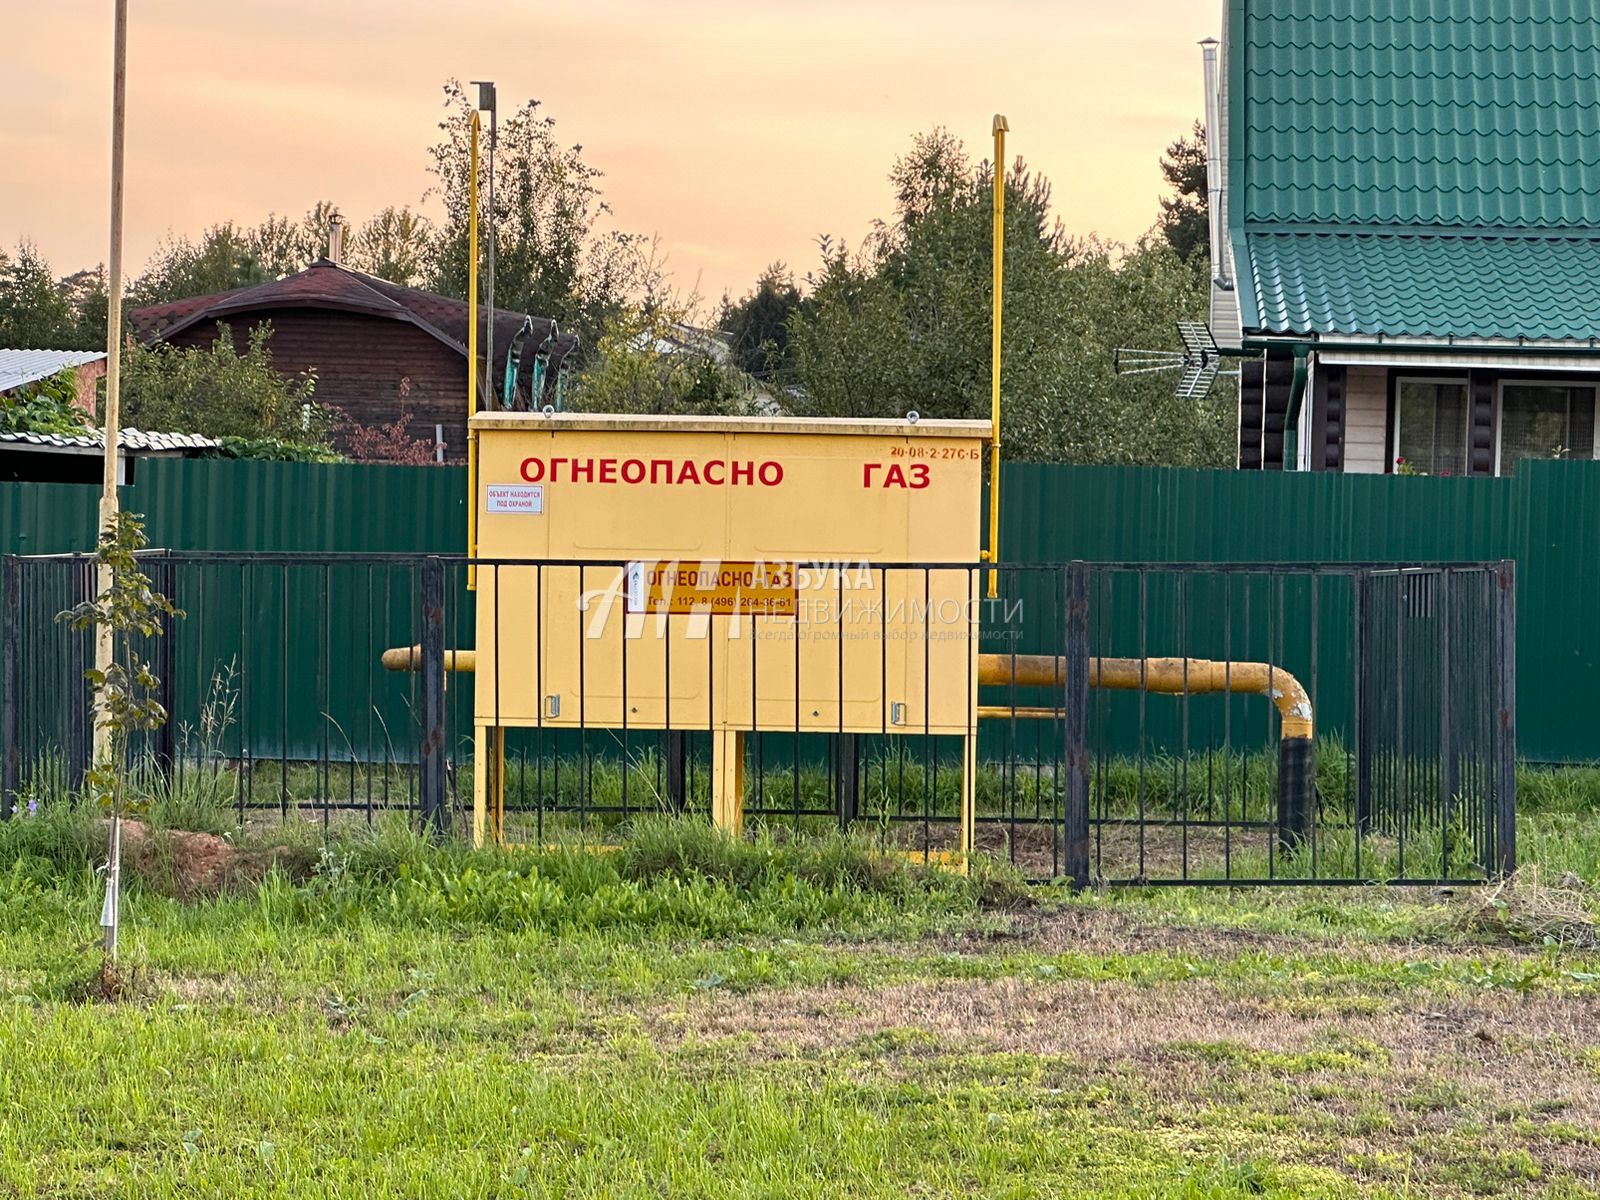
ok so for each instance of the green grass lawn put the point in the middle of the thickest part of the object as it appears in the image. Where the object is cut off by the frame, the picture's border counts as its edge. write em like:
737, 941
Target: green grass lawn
691, 1017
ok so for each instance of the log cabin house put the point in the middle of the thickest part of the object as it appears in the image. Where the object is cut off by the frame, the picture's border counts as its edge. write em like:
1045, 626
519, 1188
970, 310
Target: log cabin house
380, 351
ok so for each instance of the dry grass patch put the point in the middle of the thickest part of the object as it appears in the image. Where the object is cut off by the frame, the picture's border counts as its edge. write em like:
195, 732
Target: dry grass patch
1473, 1092
1102, 1022
1528, 909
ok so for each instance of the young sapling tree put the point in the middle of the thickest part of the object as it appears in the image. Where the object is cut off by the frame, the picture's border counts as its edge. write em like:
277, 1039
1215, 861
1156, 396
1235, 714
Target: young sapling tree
127, 609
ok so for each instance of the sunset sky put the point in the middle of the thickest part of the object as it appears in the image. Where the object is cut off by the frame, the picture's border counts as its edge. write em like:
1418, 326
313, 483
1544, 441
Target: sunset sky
738, 132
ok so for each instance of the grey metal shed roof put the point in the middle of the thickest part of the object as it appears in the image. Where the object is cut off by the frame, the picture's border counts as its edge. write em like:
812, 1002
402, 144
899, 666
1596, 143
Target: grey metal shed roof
130, 439
18, 367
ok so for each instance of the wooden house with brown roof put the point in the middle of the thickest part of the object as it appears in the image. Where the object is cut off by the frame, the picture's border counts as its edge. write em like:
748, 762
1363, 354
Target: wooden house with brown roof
380, 352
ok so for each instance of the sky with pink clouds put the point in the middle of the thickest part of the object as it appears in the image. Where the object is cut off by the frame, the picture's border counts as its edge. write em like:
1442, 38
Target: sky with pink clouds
737, 132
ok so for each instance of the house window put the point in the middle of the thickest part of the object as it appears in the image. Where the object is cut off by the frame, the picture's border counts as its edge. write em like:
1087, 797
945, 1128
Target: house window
1430, 427
1545, 420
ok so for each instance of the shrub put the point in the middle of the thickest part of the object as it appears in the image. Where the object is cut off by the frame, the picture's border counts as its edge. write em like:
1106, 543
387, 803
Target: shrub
220, 392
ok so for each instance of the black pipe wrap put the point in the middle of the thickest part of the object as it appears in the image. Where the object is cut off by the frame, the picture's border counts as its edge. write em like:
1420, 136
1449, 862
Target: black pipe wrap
1297, 779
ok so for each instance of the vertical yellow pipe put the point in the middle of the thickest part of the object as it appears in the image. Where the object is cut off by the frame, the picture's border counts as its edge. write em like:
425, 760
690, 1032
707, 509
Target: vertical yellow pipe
1001, 126
472, 358
497, 785
481, 759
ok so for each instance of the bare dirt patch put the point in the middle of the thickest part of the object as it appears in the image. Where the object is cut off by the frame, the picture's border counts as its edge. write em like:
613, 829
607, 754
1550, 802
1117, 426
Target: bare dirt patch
191, 865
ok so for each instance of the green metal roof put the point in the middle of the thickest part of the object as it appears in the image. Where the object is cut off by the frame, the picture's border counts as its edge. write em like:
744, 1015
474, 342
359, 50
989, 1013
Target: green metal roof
1416, 167
1425, 285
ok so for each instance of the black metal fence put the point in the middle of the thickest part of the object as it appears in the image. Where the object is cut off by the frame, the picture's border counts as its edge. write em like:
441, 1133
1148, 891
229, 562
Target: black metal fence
1129, 723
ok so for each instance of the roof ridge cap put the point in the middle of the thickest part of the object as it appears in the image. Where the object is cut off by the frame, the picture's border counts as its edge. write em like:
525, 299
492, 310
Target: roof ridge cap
359, 277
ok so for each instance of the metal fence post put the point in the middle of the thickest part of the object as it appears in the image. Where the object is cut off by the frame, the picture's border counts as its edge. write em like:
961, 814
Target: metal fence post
847, 772
10, 685
1506, 719
677, 753
81, 714
1075, 703
166, 735
1361, 697
431, 783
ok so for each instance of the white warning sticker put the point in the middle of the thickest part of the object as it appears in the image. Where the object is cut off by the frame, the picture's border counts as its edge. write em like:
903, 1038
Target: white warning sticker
526, 498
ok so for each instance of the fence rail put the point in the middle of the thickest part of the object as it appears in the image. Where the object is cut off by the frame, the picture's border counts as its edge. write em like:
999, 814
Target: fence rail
856, 712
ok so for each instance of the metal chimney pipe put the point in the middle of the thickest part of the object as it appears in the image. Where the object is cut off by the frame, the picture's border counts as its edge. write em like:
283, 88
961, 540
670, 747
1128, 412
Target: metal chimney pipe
1215, 199
336, 240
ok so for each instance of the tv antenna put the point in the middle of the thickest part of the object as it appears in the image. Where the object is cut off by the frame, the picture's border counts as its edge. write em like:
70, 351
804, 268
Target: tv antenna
1200, 361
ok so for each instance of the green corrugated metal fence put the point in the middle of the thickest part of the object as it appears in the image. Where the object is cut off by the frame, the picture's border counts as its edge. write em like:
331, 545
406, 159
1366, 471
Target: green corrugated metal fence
225, 505
1547, 518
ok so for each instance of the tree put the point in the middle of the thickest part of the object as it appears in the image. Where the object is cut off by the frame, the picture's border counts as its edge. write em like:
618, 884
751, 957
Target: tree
281, 246
39, 311
396, 244
278, 245
904, 322
1077, 409
316, 232
758, 325
224, 258
643, 365
851, 341
85, 294
553, 256
125, 612
219, 392
1185, 220
34, 311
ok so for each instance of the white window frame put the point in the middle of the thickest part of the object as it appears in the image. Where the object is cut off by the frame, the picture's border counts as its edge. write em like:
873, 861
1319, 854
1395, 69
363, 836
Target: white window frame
1465, 384
1302, 428
1591, 382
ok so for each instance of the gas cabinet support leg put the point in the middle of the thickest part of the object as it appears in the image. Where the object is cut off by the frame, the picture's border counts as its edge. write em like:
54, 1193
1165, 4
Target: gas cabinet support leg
497, 784
969, 799
727, 780
480, 783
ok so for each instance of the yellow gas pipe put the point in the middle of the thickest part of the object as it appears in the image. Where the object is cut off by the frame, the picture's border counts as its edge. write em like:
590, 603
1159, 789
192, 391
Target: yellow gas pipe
1165, 676
472, 360
1001, 127
409, 658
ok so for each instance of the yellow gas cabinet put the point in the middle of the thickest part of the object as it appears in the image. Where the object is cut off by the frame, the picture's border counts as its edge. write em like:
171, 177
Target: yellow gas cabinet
728, 575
